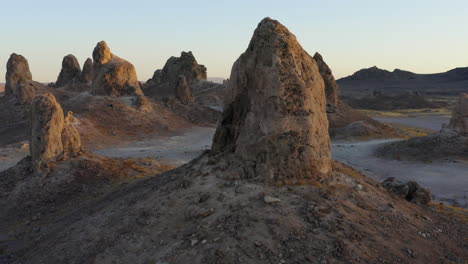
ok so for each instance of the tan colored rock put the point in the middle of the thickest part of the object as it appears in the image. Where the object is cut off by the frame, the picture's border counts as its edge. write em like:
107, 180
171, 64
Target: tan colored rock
70, 72
53, 137
275, 118
183, 92
459, 120
114, 76
17, 71
331, 87
143, 104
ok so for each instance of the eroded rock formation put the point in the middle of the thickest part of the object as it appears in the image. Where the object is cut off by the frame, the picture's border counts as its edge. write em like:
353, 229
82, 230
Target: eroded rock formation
17, 71
114, 76
275, 118
164, 82
183, 92
53, 136
331, 87
459, 120
70, 72
88, 70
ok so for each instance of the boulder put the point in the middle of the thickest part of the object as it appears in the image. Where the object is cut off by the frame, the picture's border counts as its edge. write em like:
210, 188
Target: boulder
183, 92
70, 72
459, 120
17, 71
114, 76
88, 71
53, 137
275, 120
331, 87
411, 191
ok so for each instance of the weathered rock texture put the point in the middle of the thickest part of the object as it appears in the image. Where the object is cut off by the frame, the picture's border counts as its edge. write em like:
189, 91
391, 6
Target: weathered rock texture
183, 92
331, 87
164, 82
275, 118
411, 191
17, 71
53, 137
114, 76
88, 71
459, 120
71, 71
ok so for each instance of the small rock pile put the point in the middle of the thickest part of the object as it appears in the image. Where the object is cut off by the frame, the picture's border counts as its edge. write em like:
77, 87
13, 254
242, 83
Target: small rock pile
411, 191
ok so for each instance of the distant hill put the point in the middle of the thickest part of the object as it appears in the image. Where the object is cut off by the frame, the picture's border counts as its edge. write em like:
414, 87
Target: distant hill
367, 81
216, 79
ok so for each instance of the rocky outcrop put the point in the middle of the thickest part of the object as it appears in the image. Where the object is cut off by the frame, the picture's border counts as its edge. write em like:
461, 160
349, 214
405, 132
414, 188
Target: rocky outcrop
459, 120
17, 71
88, 71
114, 76
183, 92
411, 191
275, 118
71, 71
164, 82
331, 87
53, 137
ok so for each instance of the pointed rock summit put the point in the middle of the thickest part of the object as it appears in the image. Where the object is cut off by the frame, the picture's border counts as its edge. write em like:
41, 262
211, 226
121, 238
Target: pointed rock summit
70, 72
459, 120
88, 71
53, 136
331, 87
275, 117
17, 72
183, 91
114, 76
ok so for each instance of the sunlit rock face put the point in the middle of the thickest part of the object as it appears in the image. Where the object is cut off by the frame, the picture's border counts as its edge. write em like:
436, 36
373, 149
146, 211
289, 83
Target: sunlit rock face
274, 118
17, 72
114, 76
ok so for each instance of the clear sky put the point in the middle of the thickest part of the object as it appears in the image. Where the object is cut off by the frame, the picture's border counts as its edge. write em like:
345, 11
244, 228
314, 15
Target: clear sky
423, 36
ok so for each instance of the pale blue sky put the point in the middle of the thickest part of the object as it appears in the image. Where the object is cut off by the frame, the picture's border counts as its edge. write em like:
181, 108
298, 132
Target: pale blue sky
424, 36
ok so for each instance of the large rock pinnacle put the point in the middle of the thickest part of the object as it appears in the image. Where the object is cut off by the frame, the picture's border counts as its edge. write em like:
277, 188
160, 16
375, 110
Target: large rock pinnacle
70, 71
275, 115
331, 87
53, 136
459, 120
87, 74
113, 76
183, 92
17, 72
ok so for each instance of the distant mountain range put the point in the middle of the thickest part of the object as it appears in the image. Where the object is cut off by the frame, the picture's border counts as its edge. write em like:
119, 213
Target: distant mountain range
366, 81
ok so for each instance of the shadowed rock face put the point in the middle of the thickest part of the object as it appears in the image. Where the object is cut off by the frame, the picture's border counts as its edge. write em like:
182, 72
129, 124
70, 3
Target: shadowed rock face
183, 91
275, 113
88, 71
459, 120
17, 71
114, 76
331, 87
53, 137
70, 72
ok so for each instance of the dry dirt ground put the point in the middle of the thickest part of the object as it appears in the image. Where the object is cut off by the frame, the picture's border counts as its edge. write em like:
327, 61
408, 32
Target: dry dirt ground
206, 212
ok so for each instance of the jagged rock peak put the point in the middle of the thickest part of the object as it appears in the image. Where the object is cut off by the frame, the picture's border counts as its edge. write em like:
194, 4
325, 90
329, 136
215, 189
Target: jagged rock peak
102, 53
88, 71
275, 118
183, 91
459, 120
17, 71
70, 71
53, 137
331, 87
